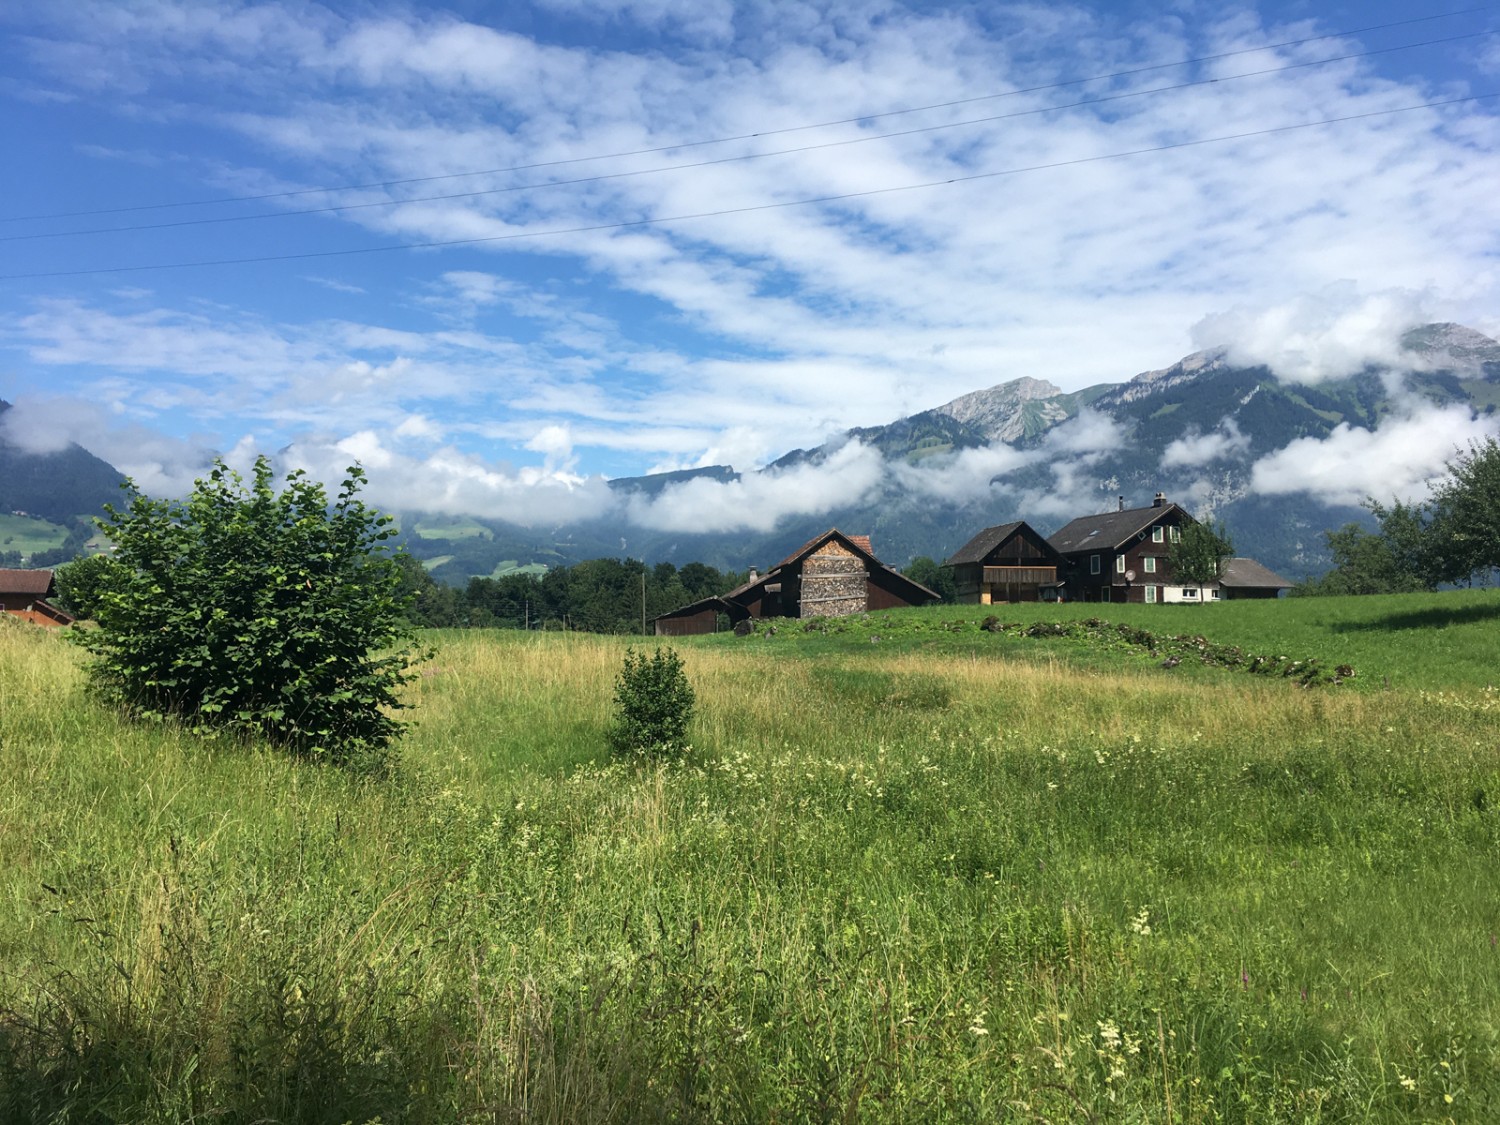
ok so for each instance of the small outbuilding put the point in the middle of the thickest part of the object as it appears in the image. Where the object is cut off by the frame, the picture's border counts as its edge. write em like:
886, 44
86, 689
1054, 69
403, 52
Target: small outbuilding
833, 575
1246, 578
24, 594
1010, 562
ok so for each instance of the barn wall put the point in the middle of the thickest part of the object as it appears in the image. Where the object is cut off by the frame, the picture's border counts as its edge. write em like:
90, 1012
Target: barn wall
690, 625
833, 582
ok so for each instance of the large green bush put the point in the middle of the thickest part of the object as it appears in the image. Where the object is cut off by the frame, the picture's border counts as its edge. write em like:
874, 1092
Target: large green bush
249, 610
654, 704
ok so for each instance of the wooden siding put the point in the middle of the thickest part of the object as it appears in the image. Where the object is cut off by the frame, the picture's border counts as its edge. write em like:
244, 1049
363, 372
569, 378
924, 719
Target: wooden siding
1022, 575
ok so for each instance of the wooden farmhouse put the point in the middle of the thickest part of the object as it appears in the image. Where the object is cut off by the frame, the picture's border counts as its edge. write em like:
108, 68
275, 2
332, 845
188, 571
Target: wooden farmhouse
24, 594
834, 575
1122, 556
1007, 563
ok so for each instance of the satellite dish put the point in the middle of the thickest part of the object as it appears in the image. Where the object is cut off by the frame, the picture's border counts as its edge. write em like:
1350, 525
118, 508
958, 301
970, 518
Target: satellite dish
1130, 576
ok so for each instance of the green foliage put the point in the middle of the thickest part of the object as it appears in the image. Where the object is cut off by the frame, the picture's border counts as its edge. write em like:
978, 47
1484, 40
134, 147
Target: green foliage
1391, 560
937, 578
1199, 553
1465, 526
653, 706
257, 612
81, 582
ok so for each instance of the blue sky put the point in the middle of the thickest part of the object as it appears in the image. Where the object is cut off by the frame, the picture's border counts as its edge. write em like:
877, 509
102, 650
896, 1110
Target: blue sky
680, 306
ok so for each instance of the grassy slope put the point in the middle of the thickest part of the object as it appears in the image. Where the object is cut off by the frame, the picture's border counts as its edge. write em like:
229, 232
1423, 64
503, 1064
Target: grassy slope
29, 535
947, 875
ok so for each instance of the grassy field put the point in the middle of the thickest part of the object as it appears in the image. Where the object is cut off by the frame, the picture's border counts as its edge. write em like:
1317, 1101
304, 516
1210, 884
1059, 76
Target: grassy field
29, 535
943, 875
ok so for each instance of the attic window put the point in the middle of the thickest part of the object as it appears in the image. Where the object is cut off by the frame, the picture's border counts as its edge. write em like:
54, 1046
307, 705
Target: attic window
1158, 534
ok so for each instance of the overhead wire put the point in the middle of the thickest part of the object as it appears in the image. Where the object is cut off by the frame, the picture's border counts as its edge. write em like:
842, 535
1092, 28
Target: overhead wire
747, 209
735, 158
676, 146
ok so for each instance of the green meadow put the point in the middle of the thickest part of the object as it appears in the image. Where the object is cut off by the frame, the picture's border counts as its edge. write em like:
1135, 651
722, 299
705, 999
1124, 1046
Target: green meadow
914, 870
28, 534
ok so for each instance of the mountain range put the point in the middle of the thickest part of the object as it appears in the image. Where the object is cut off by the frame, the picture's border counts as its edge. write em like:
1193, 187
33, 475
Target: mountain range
1022, 449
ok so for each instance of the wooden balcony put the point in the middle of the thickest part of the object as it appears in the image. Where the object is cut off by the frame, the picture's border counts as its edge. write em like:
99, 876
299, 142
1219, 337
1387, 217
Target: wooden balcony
1019, 575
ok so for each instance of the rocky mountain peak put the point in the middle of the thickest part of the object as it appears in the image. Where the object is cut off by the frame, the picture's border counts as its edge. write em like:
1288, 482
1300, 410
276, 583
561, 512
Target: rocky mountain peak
1001, 412
1451, 345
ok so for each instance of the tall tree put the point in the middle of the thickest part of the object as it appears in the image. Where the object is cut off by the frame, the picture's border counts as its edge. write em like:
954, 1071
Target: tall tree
1465, 525
1198, 554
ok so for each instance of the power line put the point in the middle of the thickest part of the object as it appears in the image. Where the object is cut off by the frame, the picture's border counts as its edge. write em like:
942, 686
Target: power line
340, 208
765, 132
661, 221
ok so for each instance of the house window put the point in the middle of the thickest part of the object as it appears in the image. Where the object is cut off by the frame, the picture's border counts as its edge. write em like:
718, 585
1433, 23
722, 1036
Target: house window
1119, 564
1176, 533
1150, 593
1158, 534
1189, 595
1093, 564
1149, 563
1217, 595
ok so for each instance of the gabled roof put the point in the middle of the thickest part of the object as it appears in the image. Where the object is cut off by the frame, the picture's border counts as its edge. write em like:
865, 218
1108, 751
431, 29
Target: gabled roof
1110, 530
38, 582
979, 548
1249, 574
859, 544
714, 602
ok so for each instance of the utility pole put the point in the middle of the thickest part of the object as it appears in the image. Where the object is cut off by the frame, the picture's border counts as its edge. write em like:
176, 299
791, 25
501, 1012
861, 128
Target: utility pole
643, 601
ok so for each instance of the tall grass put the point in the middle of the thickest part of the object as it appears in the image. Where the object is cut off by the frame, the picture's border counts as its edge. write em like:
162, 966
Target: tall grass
889, 884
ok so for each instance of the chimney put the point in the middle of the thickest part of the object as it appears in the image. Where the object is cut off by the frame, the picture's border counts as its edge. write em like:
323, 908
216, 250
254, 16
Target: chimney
1160, 501
754, 575
1122, 503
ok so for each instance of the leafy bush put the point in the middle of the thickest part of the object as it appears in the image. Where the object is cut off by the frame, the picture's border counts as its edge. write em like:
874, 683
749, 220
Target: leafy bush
654, 704
80, 582
252, 611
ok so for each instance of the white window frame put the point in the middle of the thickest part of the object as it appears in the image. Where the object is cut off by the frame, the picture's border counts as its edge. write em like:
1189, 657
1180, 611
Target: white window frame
1158, 534
1119, 564
1148, 564
1189, 594
1151, 595
1176, 534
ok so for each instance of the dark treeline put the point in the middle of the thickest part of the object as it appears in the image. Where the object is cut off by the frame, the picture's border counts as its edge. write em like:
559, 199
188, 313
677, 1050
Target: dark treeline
596, 596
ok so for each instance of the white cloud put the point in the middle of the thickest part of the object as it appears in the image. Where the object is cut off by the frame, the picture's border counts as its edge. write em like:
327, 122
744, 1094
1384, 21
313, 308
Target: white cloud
1400, 459
735, 338
1316, 337
1196, 449
759, 502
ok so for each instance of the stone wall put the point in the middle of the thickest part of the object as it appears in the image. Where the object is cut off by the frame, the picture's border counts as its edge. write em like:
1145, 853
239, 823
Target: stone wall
833, 583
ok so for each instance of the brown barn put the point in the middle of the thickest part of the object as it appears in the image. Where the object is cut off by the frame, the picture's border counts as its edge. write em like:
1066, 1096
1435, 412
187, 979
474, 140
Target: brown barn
1007, 563
1246, 578
834, 575
24, 593
694, 619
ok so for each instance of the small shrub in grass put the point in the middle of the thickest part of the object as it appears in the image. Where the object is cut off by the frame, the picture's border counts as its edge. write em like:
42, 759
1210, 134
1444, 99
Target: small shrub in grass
653, 705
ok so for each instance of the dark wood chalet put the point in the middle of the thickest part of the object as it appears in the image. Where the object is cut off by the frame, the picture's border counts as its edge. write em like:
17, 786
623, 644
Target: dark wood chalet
1121, 556
24, 593
834, 575
1007, 563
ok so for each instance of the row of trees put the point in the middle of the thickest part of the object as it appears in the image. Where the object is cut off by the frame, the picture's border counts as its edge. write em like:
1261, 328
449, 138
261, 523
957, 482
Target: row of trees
1453, 537
597, 596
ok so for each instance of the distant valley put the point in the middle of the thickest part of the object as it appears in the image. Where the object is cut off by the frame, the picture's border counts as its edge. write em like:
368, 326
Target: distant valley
1022, 449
